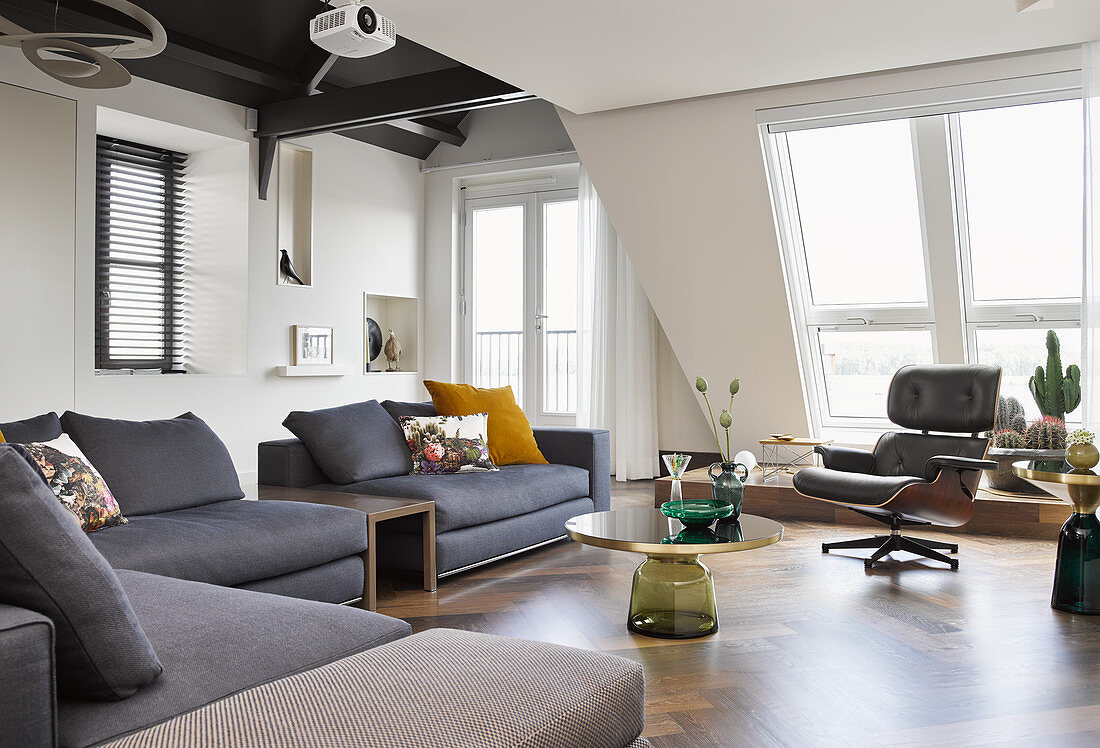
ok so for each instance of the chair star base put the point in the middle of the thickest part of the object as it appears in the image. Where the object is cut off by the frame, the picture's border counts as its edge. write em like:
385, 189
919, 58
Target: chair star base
895, 541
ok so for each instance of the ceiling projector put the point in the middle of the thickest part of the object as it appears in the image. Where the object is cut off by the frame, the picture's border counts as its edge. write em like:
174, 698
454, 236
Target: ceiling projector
353, 30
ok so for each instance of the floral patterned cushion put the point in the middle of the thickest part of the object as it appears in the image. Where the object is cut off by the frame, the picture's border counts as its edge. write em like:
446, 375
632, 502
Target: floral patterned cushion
78, 485
447, 444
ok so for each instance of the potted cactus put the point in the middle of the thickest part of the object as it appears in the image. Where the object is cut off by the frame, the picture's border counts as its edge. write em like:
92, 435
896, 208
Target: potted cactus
1056, 393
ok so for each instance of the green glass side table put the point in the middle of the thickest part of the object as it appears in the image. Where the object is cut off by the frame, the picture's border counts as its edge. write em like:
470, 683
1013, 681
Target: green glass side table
1077, 571
672, 596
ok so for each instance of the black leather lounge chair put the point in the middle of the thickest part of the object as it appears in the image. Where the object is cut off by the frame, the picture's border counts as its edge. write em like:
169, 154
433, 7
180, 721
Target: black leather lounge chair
915, 478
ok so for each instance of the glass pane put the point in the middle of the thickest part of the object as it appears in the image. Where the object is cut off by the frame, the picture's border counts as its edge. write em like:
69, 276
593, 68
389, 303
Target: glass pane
560, 325
1019, 352
497, 299
857, 201
859, 365
1023, 169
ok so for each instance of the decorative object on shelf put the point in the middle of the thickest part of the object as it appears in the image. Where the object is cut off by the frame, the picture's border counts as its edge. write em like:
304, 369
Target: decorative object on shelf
677, 465
697, 513
782, 437
393, 352
1056, 394
287, 275
312, 346
1081, 453
88, 59
373, 340
726, 486
746, 458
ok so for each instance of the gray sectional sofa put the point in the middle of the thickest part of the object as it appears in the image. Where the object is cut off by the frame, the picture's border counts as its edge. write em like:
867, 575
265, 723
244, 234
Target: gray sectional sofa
191, 649
176, 484
480, 516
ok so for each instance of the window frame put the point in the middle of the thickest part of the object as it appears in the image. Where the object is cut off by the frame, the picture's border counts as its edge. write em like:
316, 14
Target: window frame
809, 319
173, 219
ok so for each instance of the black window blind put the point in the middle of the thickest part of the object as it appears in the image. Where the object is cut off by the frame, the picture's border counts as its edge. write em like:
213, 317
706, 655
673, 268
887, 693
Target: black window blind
141, 257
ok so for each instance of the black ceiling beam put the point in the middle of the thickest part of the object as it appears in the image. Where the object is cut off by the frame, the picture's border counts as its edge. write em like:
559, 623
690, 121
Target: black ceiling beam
432, 128
394, 139
416, 96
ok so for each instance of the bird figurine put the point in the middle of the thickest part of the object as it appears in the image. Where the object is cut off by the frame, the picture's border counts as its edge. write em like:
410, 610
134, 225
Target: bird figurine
392, 351
286, 269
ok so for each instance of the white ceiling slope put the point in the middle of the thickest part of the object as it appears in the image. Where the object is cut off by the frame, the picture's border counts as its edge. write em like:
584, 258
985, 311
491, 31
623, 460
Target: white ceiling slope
592, 55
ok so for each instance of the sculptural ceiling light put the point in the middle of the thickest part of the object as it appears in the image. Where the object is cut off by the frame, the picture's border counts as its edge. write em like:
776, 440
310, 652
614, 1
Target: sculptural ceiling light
84, 59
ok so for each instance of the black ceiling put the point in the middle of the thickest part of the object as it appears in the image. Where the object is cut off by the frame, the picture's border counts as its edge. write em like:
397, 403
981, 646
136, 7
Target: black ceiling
257, 53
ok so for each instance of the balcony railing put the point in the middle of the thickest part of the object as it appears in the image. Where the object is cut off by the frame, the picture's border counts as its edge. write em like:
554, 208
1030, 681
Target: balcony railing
499, 362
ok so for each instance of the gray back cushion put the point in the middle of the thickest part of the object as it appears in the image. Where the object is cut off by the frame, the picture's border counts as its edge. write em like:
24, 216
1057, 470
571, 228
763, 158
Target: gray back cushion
352, 443
48, 565
157, 466
397, 409
43, 428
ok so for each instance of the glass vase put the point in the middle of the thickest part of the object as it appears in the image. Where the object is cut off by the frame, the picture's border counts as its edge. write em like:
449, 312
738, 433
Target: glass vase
677, 465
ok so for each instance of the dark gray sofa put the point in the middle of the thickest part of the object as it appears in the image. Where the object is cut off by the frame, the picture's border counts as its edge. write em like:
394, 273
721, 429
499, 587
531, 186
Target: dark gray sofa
187, 662
177, 486
480, 516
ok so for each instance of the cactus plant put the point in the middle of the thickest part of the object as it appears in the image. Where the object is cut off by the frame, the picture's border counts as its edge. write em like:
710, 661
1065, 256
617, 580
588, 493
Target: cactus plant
1046, 433
1055, 393
1008, 439
1010, 416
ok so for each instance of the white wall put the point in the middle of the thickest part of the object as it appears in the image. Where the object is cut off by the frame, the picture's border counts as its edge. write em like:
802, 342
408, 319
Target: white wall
684, 184
369, 219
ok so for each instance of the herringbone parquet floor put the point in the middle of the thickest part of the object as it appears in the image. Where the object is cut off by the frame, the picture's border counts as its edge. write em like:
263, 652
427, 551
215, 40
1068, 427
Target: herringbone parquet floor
812, 649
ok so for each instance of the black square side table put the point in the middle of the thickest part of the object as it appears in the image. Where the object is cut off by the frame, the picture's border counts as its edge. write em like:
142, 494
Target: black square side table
378, 509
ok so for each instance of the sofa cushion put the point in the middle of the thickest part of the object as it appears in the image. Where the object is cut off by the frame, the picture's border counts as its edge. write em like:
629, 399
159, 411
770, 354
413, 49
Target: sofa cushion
76, 483
397, 409
437, 689
157, 466
352, 442
233, 542
48, 565
41, 428
511, 440
216, 641
466, 499
442, 445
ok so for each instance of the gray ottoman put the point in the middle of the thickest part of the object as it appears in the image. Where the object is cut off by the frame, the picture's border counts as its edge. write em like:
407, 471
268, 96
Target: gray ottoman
436, 689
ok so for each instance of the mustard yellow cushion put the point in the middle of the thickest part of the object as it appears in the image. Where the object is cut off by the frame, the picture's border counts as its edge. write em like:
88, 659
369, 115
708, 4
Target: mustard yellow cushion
2, 439
511, 440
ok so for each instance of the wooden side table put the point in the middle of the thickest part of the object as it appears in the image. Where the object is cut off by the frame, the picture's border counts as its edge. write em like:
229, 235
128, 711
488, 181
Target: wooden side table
779, 455
378, 509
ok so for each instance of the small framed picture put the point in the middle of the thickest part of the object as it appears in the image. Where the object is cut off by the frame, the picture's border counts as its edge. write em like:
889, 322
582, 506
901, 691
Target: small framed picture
312, 345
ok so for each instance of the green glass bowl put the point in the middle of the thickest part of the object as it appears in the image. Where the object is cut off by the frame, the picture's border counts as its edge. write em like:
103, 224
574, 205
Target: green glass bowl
697, 513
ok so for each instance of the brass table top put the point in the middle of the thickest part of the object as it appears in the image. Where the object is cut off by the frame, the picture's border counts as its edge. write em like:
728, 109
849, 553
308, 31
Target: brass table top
1081, 488
648, 531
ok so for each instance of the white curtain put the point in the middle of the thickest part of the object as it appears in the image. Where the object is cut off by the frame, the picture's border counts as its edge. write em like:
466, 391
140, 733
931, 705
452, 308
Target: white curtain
616, 344
1090, 319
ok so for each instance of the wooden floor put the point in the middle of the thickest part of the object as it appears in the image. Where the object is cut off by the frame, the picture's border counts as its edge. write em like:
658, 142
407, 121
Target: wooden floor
814, 650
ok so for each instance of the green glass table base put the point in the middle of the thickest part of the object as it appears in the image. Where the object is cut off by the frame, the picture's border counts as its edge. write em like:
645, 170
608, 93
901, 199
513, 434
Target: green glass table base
672, 598
1077, 573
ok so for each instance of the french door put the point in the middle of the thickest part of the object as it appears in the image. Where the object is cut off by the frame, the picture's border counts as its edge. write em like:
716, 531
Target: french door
519, 300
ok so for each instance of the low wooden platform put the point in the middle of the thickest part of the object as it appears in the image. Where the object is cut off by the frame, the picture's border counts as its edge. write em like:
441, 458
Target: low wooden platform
993, 515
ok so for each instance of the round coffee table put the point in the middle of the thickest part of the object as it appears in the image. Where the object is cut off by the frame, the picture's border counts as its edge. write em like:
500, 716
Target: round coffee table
673, 593
1077, 571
